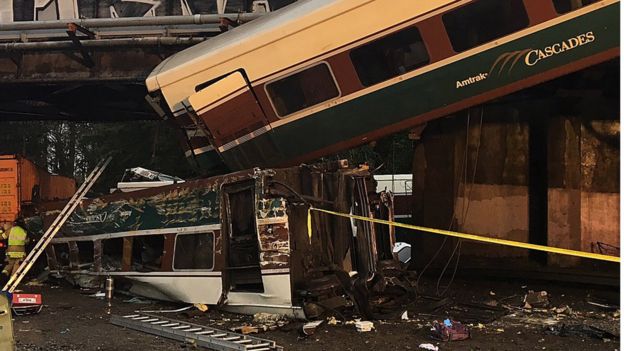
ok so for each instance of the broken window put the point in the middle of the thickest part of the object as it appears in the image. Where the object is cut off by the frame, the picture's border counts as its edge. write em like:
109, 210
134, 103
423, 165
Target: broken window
147, 252
390, 56
565, 6
112, 254
194, 251
85, 252
303, 89
62, 254
483, 21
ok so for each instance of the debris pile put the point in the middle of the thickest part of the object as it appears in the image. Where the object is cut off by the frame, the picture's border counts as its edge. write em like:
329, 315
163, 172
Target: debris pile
536, 299
262, 322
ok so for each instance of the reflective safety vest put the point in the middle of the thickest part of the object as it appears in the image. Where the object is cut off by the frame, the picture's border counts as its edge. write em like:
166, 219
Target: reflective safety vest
17, 242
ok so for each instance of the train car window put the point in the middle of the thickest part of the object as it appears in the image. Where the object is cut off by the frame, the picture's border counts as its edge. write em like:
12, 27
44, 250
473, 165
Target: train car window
564, 6
303, 89
484, 20
194, 251
390, 56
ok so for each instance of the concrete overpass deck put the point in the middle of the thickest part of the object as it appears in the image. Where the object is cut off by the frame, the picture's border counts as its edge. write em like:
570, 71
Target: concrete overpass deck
93, 69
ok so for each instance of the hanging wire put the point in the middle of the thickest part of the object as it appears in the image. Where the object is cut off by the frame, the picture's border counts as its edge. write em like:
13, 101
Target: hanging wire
466, 201
453, 216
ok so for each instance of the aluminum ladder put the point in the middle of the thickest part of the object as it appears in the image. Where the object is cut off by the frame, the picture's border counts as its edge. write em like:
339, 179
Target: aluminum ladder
211, 338
49, 234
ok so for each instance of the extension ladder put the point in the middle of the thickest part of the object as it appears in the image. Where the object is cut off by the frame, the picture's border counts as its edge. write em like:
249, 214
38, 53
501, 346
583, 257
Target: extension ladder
49, 234
196, 334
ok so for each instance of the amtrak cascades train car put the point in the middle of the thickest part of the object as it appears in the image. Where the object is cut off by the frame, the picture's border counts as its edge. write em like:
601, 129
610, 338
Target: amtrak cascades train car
241, 241
320, 76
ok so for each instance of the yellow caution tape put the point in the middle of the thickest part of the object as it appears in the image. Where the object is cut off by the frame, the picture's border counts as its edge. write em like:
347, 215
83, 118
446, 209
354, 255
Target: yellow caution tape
310, 225
466, 236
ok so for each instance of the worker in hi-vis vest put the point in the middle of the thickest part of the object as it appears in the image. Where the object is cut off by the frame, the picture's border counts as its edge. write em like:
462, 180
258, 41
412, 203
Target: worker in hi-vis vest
16, 250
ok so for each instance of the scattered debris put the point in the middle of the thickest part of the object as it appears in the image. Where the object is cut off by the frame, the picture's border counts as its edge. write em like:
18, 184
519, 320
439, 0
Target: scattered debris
98, 295
430, 347
201, 307
267, 318
310, 327
34, 282
364, 326
470, 312
602, 303
137, 300
478, 326
563, 309
246, 329
491, 303
268, 321
524, 319
536, 299
449, 330
404, 316
579, 330
332, 321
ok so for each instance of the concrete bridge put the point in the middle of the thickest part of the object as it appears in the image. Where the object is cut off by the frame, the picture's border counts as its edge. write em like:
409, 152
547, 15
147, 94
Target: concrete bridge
57, 64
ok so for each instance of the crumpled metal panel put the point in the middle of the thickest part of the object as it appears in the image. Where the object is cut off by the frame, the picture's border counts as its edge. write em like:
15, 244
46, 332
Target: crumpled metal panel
273, 233
271, 208
274, 245
181, 207
193, 203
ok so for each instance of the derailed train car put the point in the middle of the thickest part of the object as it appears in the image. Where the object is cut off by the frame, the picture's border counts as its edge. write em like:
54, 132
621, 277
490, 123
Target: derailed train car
241, 241
352, 71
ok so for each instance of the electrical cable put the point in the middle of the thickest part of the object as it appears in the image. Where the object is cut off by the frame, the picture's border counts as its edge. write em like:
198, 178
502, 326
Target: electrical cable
467, 200
453, 215
463, 183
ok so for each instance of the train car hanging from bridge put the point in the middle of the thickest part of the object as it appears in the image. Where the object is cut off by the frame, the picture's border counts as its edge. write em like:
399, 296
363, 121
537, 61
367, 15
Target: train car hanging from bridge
321, 76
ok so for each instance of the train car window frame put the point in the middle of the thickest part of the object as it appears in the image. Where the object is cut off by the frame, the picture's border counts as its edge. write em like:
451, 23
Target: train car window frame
319, 63
175, 245
561, 11
457, 23
365, 65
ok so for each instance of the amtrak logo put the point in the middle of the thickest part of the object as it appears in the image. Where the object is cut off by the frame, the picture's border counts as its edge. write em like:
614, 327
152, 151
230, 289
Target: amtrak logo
531, 57
506, 62
535, 56
471, 80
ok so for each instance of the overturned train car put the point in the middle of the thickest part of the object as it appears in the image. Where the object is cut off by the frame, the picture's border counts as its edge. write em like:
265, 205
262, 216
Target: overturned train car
241, 241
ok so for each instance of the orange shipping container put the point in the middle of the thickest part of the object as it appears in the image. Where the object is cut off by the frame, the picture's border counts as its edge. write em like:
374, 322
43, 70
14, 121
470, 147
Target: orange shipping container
9, 197
20, 180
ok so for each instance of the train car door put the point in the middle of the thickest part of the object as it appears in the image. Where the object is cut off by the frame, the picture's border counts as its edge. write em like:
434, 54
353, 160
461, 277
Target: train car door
238, 126
242, 256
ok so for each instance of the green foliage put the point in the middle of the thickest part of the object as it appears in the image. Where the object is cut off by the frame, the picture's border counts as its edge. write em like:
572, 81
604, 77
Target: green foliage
392, 154
73, 149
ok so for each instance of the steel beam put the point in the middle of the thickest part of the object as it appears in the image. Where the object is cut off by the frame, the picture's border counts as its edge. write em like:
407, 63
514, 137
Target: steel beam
99, 43
92, 23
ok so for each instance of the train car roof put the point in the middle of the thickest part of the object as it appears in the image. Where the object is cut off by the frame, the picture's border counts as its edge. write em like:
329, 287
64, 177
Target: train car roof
253, 34
281, 40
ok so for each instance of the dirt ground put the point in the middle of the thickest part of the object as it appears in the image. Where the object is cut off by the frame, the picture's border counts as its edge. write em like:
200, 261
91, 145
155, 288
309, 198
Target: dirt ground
72, 320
